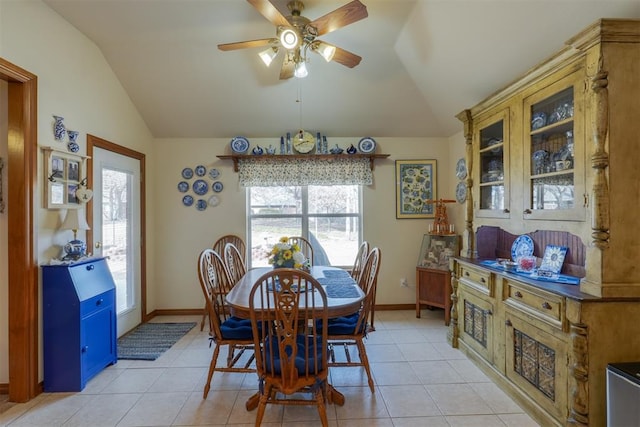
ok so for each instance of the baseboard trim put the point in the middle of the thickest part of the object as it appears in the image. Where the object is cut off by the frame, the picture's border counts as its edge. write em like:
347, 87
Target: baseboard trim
385, 307
4, 388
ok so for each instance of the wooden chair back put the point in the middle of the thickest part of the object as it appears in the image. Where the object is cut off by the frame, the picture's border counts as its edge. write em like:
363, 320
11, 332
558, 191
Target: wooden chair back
237, 241
234, 262
223, 328
361, 258
304, 245
289, 321
368, 283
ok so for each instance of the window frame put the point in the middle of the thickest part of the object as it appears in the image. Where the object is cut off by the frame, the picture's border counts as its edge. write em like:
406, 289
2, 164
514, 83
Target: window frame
304, 216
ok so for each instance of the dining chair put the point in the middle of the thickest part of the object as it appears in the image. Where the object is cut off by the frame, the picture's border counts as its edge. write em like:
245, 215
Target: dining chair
291, 354
234, 262
358, 263
224, 329
218, 246
351, 330
305, 247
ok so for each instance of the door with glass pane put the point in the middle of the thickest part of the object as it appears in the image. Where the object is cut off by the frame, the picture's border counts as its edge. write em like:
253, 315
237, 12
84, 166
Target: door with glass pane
116, 229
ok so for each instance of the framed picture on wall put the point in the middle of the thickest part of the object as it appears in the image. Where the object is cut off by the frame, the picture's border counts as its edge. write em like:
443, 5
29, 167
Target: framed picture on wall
63, 174
415, 185
437, 249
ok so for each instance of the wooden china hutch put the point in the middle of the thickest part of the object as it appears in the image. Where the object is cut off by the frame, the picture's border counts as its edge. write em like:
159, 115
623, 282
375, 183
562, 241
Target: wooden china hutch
554, 155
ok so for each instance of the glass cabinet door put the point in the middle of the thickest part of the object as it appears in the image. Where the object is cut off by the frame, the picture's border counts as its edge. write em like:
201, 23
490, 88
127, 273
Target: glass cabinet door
554, 170
492, 166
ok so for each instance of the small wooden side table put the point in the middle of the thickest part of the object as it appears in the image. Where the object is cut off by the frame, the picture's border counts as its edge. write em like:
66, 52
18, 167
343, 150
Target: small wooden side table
433, 289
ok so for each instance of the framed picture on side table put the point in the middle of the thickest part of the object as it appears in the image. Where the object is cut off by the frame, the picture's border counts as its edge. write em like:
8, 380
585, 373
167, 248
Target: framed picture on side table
415, 185
437, 249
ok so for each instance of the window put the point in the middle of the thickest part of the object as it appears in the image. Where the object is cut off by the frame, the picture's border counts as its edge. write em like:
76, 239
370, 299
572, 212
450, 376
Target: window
330, 216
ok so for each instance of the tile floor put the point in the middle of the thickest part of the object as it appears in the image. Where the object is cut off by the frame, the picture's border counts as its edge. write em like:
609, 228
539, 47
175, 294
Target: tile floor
420, 381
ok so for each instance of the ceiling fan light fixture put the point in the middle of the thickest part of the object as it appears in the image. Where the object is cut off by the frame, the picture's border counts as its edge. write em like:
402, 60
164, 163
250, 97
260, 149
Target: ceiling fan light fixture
325, 50
289, 38
301, 70
268, 55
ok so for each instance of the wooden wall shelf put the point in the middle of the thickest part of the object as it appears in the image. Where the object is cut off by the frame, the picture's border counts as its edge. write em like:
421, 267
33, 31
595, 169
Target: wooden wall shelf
257, 158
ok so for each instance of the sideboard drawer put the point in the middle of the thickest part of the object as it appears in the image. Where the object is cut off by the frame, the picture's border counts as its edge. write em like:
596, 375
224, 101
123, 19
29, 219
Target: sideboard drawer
481, 280
535, 302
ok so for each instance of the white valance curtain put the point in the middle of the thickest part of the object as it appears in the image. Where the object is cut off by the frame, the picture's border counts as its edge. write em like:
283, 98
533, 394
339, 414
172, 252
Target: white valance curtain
282, 171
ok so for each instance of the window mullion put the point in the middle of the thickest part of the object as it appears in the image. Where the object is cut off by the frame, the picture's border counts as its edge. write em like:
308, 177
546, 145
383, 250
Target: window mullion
305, 211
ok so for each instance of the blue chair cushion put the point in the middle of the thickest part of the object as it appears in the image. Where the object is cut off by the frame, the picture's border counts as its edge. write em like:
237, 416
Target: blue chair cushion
235, 328
301, 365
344, 325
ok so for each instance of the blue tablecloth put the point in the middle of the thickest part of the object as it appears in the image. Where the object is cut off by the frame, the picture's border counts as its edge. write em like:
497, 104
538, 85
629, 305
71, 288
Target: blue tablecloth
564, 279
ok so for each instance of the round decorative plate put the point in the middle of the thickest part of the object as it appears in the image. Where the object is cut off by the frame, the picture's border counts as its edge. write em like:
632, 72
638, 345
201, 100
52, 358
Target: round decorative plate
217, 186
461, 169
522, 246
239, 144
187, 200
200, 170
214, 201
200, 187
367, 145
538, 120
214, 173
183, 186
461, 192
187, 173
201, 204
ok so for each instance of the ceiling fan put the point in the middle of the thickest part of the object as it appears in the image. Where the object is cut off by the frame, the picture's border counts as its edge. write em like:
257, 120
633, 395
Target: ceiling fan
296, 35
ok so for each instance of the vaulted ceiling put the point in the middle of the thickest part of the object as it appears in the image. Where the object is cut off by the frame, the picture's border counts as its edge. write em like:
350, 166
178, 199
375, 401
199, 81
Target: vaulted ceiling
423, 62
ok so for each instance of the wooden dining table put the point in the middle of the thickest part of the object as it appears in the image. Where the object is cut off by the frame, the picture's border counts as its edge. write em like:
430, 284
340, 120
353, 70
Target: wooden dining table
338, 304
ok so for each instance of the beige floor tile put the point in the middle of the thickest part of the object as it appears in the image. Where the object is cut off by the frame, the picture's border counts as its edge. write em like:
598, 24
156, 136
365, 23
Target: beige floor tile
468, 371
377, 422
457, 399
394, 373
435, 372
408, 401
384, 353
420, 422
498, 400
518, 420
351, 376
419, 351
105, 410
53, 410
214, 410
177, 379
134, 381
475, 421
155, 409
361, 403
239, 413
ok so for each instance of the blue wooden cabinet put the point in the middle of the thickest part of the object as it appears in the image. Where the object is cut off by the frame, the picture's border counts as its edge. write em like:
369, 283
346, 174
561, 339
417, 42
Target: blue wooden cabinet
79, 323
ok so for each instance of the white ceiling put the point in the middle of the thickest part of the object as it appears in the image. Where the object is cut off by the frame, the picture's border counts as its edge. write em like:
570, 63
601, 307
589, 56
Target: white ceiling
423, 62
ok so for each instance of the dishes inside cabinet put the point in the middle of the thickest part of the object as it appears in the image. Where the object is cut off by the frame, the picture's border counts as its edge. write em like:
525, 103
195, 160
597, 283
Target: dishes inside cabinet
538, 120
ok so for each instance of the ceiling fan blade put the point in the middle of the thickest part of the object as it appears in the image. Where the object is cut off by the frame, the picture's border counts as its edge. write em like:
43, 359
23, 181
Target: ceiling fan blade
342, 16
247, 44
270, 12
341, 56
288, 67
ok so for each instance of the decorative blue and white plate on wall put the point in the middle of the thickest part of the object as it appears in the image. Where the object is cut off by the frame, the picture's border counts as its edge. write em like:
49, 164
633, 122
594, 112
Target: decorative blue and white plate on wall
239, 145
200, 187
183, 186
522, 246
217, 186
367, 145
187, 173
187, 200
201, 204
200, 170
214, 173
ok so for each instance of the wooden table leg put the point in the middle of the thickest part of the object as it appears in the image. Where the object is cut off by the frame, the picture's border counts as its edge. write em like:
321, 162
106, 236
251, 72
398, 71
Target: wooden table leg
334, 396
252, 402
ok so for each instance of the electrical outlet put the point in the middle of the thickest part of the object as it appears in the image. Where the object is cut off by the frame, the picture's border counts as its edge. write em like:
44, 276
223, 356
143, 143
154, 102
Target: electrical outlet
404, 283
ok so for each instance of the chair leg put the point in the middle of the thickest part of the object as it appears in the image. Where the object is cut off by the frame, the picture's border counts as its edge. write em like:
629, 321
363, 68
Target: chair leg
262, 405
204, 317
362, 352
212, 367
322, 409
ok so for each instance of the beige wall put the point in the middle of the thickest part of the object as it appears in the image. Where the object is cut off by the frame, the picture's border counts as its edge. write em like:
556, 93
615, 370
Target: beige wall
183, 232
75, 82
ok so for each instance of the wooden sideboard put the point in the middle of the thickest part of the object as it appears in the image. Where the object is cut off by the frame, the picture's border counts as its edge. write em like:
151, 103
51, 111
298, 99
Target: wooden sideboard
554, 155
433, 289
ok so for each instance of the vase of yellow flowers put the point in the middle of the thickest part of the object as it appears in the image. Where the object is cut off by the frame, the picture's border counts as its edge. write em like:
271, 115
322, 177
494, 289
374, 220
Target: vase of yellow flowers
287, 255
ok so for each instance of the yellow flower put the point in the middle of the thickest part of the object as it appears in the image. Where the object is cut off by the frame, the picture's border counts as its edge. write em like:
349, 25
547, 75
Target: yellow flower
284, 239
287, 254
295, 247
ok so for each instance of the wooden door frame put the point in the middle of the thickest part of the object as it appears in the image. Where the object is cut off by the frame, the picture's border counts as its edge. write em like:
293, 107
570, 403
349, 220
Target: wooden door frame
22, 270
96, 142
